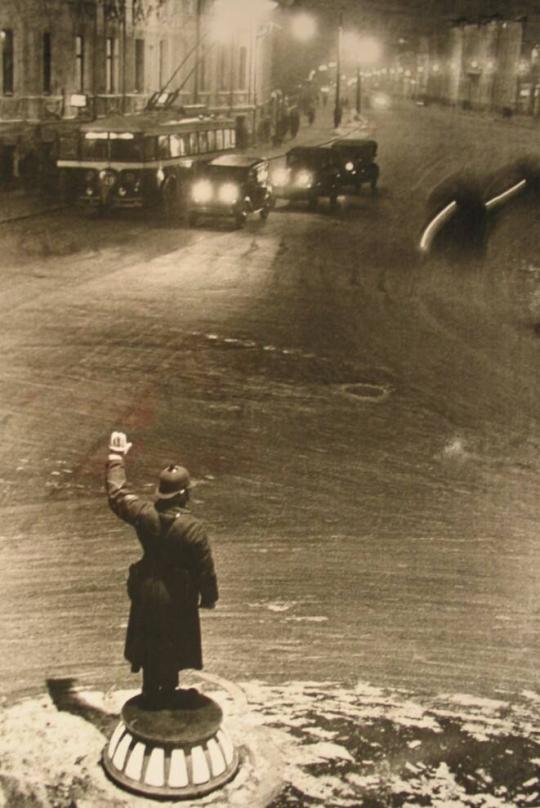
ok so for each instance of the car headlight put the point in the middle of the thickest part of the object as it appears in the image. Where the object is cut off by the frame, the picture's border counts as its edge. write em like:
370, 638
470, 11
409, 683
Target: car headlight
280, 176
304, 179
380, 101
108, 178
122, 192
160, 174
349, 165
202, 191
229, 193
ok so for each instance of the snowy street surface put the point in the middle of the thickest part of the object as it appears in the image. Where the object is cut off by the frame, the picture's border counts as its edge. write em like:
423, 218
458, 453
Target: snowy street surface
303, 744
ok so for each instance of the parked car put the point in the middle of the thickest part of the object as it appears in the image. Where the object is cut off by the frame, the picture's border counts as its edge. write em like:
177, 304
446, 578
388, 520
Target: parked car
310, 172
358, 166
231, 185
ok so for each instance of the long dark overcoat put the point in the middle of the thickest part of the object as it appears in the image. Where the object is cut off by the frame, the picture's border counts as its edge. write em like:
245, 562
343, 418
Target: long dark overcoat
175, 575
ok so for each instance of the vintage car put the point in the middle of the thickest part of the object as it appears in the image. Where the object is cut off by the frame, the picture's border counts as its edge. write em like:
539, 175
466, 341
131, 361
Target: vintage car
309, 173
232, 185
358, 166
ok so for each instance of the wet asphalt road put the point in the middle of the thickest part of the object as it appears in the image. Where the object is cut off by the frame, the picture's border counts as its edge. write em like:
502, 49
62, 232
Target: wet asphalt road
362, 424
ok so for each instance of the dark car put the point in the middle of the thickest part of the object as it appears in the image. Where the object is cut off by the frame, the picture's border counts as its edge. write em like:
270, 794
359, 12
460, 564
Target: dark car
309, 173
231, 185
358, 166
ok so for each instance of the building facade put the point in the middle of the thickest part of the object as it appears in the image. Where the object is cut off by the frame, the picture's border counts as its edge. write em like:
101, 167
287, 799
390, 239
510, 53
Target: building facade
67, 60
475, 66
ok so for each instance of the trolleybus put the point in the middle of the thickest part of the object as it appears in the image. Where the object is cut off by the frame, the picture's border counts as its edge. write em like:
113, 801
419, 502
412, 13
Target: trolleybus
140, 160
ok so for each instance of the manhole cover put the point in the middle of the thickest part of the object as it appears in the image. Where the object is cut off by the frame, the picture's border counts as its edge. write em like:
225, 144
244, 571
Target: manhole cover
365, 391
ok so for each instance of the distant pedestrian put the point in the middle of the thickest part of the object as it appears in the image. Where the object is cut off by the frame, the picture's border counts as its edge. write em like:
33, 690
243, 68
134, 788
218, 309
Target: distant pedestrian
281, 129
242, 134
286, 122
174, 578
311, 114
294, 119
265, 129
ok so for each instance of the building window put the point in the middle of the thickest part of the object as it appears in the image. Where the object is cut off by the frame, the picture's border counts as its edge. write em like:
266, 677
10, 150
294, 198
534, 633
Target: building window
79, 64
47, 62
139, 65
110, 56
6, 42
242, 68
162, 63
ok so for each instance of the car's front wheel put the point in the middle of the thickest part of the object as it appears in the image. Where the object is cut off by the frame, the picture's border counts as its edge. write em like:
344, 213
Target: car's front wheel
240, 217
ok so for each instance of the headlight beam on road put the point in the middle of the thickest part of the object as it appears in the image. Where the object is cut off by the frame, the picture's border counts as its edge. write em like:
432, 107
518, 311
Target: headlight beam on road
434, 226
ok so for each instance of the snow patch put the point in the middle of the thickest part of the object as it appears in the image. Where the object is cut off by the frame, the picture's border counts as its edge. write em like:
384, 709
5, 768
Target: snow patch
455, 450
281, 605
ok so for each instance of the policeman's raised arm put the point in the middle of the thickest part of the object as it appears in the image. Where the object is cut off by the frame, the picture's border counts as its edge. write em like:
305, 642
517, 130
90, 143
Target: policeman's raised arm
122, 501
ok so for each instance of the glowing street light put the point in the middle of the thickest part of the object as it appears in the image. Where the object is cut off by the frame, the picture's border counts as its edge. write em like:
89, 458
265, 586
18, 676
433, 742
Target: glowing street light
303, 27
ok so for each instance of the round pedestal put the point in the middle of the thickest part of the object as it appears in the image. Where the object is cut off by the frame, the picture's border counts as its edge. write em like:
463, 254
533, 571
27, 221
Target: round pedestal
176, 751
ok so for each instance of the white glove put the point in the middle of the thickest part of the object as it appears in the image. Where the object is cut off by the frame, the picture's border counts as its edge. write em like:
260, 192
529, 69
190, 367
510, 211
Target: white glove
118, 443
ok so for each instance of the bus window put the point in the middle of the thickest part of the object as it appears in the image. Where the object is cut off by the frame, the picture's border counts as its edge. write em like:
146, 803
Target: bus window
94, 146
211, 140
225, 138
150, 148
193, 143
203, 142
232, 139
219, 139
125, 147
178, 146
163, 147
